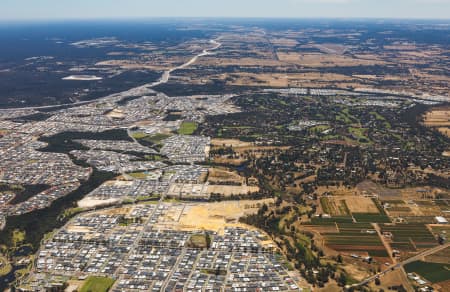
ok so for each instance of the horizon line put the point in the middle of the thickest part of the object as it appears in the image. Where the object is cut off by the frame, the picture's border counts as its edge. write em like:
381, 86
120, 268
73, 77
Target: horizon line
149, 18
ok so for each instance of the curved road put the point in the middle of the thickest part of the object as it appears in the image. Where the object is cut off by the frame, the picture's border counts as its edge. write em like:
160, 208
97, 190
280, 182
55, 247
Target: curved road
166, 75
164, 79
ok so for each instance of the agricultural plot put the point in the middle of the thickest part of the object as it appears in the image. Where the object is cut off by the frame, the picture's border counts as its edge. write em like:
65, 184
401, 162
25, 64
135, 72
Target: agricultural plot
358, 204
362, 209
380, 217
334, 206
433, 272
397, 208
443, 205
409, 237
418, 219
371, 218
331, 221
359, 238
428, 208
440, 229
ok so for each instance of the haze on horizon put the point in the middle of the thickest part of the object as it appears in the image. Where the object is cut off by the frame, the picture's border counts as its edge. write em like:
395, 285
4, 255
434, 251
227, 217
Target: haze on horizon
26, 10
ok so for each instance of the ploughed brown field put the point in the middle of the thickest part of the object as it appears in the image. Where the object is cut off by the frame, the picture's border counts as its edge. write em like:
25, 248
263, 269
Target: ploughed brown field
439, 118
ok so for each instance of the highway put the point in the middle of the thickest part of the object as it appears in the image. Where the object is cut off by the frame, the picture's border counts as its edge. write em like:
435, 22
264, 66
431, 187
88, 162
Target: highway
164, 79
405, 262
166, 75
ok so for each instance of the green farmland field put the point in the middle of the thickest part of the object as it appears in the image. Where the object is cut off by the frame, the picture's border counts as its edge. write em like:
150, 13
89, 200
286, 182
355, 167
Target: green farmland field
433, 272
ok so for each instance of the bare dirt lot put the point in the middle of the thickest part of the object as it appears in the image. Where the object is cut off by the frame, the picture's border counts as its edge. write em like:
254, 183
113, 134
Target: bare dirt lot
91, 203
338, 191
74, 285
325, 60
390, 279
332, 48
361, 205
371, 188
442, 257
79, 229
258, 151
229, 161
438, 117
115, 211
230, 143
285, 42
309, 79
116, 114
444, 131
221, 176
217, 216
231, 190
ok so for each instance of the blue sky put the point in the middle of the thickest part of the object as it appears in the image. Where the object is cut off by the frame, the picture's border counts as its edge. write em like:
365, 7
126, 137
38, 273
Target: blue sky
76, 9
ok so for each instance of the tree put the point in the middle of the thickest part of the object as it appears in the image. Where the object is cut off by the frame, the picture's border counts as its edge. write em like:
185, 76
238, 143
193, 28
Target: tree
278, 201
342, 280
310, 277
264, 209
208, 239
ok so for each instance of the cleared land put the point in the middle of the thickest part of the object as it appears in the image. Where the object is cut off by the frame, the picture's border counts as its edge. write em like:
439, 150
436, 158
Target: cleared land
116, 114
231, 190
373, 189
439, 118
341, 206
230, 143
442, 257
325, 60
91, 203
217, 216
217, 176
310, 79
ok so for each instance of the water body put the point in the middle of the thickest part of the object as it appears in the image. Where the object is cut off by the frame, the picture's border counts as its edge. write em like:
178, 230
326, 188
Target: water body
10, 277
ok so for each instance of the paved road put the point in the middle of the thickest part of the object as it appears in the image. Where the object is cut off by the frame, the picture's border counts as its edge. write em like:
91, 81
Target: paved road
164, 79
405, 262
166, 75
